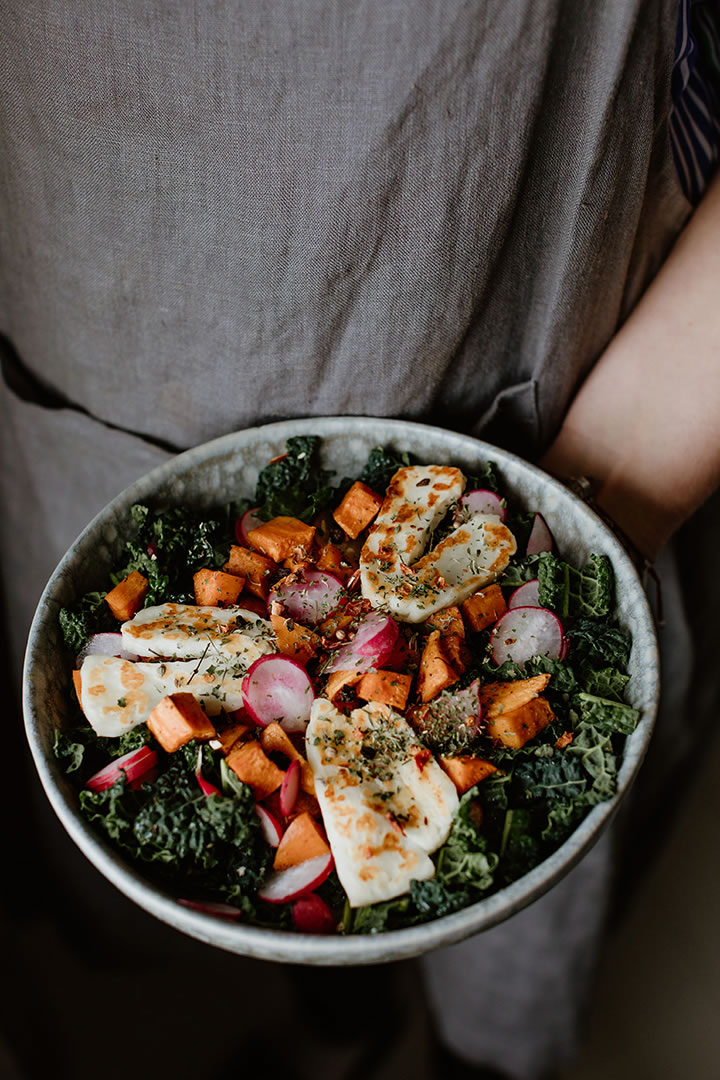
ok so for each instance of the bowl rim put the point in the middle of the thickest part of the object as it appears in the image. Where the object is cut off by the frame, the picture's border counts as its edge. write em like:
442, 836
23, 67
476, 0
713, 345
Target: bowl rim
291, 946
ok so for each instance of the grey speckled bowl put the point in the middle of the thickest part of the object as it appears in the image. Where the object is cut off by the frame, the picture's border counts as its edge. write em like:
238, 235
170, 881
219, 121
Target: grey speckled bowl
228, 468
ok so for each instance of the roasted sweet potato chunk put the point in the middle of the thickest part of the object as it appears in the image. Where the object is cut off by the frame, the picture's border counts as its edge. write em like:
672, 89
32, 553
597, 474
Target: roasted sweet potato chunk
303, 839
483, 608
128, 596
294, 640
177, 719
357, 509
435, 673
519, 726
466, 771
387, 687
215, 588
251, 764
281, 538
256, 569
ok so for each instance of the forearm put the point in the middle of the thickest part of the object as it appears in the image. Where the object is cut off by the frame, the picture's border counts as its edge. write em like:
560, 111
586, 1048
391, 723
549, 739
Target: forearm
646, 423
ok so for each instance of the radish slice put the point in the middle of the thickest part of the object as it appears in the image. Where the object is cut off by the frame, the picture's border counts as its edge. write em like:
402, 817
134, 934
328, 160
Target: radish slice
525, 596
524, 632
311, 598
213, 907
311, 915
540, 539
246, 524
278, 688
372, 645
205, 786
271, 828
290, 788
134, 765
296, 881
565, 649
109, 644
479, 501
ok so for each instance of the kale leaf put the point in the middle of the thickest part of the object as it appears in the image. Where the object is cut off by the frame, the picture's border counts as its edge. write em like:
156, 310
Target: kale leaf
169, 546
79, 622
295, 485
607, 682
211, 844
382, 464
606, 715
587, 593
598, 645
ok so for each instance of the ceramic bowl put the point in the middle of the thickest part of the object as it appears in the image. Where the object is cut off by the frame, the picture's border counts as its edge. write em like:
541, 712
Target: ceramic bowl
227, 468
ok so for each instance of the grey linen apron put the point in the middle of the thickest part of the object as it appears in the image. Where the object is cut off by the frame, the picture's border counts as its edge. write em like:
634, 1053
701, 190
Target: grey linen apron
215, 215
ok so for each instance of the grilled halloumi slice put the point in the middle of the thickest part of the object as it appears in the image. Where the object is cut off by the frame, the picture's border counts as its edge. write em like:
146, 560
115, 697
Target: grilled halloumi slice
188, 631
116, 695
394, 576
386, 803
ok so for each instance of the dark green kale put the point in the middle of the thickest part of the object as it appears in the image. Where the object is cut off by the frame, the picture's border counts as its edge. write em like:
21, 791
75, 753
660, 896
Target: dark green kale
169, 546
607, 682
587, 593
382, 463
79, 622
295, 485
81, 750
211, 845
598, 645
517, 573
389, 915
606, 715
486, 479
521, 846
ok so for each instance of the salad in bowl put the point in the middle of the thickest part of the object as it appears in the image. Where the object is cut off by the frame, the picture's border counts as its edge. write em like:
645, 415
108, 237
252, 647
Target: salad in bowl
344, 707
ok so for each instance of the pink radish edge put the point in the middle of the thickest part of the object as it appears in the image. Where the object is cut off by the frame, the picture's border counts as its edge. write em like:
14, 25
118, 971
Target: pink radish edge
524, 632
371, 646
540, 539
311, 915
285, 885
213, 907
135, 765
272, 830
246, 524
311, 598
278, 688
479, 501
205, 786
525, 595
290, 788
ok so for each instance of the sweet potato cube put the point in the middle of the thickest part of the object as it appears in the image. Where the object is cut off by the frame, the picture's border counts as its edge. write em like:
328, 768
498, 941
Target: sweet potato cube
501, 697
466, 771
177, 719
128, 596
251, 764
387, 687
228, 735
357, 509
435, 673
338, 679
252, 603
281, 537
332, 559
448, 621
306, 804
484, 608
302, 840
257, 569
275, 740
516, 728
215, 588
455, 651
294, 640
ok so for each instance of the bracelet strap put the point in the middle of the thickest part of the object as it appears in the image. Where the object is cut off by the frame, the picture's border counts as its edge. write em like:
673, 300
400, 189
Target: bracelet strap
586, 489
